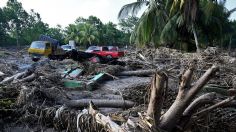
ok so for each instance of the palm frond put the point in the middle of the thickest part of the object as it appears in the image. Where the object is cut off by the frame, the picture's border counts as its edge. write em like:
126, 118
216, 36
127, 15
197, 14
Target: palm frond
169, 32
132, 8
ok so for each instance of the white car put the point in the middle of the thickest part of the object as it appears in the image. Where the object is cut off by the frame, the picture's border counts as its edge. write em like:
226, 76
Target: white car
67, 47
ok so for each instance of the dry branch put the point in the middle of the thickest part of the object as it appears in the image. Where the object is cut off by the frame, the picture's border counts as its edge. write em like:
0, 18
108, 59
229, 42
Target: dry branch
219, 104
104, 120
198, 102
191, 109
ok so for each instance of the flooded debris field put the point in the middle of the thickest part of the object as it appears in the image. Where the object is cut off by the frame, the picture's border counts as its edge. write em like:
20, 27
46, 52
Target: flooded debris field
67, 95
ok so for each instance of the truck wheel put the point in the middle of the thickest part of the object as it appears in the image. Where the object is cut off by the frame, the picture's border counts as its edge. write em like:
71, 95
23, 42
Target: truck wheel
109, 57
35, 59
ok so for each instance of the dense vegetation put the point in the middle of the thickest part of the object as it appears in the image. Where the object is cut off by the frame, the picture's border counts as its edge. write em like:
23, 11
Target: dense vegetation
183, 23
18, 27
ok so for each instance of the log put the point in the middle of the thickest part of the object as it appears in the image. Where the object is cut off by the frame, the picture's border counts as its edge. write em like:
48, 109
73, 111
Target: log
9, 79
158, 86
100, 103
137, 73
18, 75
28, 78
1, 74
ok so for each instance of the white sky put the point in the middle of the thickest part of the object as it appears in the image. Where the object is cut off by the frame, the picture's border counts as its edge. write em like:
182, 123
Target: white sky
64, 12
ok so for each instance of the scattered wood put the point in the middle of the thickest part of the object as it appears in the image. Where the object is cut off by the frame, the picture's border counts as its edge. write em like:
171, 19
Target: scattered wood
104, 120
137, 73
219, 104
9, 79
100, 103
1, 74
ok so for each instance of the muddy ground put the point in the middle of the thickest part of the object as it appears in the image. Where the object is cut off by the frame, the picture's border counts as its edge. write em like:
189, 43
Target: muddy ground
48, 89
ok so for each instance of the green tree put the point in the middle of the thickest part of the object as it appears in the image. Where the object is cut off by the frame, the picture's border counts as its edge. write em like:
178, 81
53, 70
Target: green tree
88, 34
34, 27
72, 32
3, 27
56, 33
110, 33
127, 25
171, 22
17, 19
150, 25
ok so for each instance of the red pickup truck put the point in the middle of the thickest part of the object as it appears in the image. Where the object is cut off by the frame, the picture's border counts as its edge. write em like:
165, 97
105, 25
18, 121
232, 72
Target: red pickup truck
106, 51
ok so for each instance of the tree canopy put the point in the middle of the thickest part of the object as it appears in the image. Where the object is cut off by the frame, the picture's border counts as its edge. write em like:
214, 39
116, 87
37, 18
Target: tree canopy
19, 27
180, 22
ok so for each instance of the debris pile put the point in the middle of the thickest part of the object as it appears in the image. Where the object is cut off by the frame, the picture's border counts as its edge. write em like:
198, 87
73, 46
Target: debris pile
73, 96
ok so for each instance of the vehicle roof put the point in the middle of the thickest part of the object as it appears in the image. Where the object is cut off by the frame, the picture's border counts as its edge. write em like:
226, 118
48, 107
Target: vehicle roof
42, 41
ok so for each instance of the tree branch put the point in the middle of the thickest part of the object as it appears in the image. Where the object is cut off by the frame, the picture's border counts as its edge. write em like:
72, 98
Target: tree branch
219, 104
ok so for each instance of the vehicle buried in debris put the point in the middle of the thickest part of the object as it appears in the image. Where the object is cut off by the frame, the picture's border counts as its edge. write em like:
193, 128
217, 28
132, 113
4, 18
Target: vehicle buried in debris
106, 51
51, 48
48, 47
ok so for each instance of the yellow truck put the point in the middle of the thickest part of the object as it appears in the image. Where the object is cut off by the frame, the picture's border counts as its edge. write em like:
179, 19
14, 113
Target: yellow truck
48, 47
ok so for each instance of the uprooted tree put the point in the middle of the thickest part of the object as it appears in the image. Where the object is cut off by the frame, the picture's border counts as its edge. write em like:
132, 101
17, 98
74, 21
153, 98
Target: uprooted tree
184, 106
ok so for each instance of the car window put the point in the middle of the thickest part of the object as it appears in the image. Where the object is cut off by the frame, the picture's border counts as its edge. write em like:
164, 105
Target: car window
66, 47
105, 49
93, 48
47, 45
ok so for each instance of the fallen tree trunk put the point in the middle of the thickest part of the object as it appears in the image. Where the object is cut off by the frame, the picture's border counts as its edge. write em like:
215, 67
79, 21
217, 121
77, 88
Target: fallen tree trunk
17, 76
1, 74
137, 73
9, 79
100, 103
28, 78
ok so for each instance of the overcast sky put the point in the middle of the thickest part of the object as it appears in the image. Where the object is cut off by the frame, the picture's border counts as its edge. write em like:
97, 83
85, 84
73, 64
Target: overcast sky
64, 12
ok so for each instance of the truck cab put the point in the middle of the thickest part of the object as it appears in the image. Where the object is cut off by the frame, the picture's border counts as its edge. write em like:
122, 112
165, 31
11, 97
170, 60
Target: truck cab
44, 48
39, 48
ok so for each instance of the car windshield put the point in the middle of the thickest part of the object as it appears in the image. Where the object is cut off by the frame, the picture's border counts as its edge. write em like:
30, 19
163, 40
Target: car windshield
66, 47
93, 48
38, 45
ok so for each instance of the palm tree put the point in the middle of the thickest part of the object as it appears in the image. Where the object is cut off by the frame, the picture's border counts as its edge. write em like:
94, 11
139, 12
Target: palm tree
72, 33
88, 34
170, 21
151, 23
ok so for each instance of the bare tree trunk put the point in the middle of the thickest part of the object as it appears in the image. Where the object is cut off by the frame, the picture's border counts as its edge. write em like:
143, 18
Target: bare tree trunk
184, 98
229, 47
157, 97
196, 39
